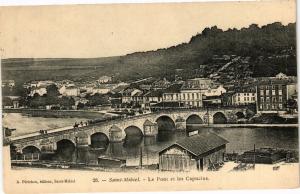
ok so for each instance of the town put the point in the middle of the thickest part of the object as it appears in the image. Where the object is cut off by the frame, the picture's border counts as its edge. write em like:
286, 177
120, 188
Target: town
189, 107
276, 96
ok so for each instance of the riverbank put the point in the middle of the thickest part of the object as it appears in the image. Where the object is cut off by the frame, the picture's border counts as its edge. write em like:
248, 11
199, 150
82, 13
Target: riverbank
228, 167
88, 114
248, 125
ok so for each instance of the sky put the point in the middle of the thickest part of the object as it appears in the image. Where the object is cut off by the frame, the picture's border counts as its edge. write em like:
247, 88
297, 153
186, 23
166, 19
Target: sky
83, 31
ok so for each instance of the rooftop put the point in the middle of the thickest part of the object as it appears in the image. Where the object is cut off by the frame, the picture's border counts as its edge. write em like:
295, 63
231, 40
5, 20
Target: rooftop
201, 143
154, 93
174, 88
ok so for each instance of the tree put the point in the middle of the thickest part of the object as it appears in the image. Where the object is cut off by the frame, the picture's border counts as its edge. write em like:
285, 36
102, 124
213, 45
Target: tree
66, 102
6, 101
292, 105
97, 99
52, 90
80, 105
37, 101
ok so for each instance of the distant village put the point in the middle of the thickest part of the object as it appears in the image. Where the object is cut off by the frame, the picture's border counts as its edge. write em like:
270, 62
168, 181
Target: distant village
276, 94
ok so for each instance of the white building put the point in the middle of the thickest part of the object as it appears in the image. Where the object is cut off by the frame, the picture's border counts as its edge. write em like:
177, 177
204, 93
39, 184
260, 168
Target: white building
215, 91
8, 83
244, 96
38, 90
128, 94
105, 79
193, 90
69, 91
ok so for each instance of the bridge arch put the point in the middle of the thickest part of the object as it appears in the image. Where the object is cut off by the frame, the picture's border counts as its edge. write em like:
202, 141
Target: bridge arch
65, 150
240, 115
133, 131
192, 121
219, 118
134, 136
30, 149
165, 123
99, 140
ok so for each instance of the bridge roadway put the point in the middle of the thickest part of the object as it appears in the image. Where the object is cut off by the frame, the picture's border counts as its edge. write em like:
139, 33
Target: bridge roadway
115, 130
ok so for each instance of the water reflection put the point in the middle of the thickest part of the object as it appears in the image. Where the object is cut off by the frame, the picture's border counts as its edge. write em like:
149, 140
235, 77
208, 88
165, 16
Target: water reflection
137, 149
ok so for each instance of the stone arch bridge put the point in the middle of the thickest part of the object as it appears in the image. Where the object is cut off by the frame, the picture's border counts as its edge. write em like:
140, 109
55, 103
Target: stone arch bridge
116, 130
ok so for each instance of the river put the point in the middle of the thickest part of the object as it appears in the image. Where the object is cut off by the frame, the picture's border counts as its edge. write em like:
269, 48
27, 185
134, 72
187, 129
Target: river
240, 140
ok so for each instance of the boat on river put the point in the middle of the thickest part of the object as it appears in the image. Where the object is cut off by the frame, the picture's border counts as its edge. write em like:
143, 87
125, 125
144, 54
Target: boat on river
264, 156
104, 161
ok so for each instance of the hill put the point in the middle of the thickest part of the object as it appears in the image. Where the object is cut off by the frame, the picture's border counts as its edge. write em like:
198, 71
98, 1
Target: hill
269, 49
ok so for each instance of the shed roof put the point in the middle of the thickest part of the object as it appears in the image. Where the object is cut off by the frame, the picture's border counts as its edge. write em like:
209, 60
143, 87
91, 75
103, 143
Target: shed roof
201, 143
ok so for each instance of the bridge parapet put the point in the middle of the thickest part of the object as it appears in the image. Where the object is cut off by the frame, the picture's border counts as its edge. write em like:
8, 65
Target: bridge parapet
81, 136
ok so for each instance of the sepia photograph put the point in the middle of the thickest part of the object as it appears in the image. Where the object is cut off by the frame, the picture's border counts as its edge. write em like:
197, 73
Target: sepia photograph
149, 96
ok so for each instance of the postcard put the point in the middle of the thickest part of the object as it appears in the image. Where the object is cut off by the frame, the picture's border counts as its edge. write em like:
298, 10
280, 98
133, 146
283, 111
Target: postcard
149, 97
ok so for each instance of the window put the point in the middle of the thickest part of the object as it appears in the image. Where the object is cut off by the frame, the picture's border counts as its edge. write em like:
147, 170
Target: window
273, 87
273, 106
273, 92
238, 98
253, 98
280, 98
193, 96
268, 99
261, 99
261, 92
245, 98
280, 106
280, 92
273, 99
261, 106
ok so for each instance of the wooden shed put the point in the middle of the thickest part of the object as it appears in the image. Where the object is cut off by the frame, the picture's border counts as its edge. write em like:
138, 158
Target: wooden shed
196, 152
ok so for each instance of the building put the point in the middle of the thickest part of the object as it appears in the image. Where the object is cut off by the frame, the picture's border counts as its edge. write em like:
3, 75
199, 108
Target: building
172, 93
79, 100
128, 94
273, 93
101, 89
69, 91
8, 83
192, 91
105, 79
115, 100
197, 152
11, 101
153, 97
244, 96
160, 84
38, 90
138, 99
213, 96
